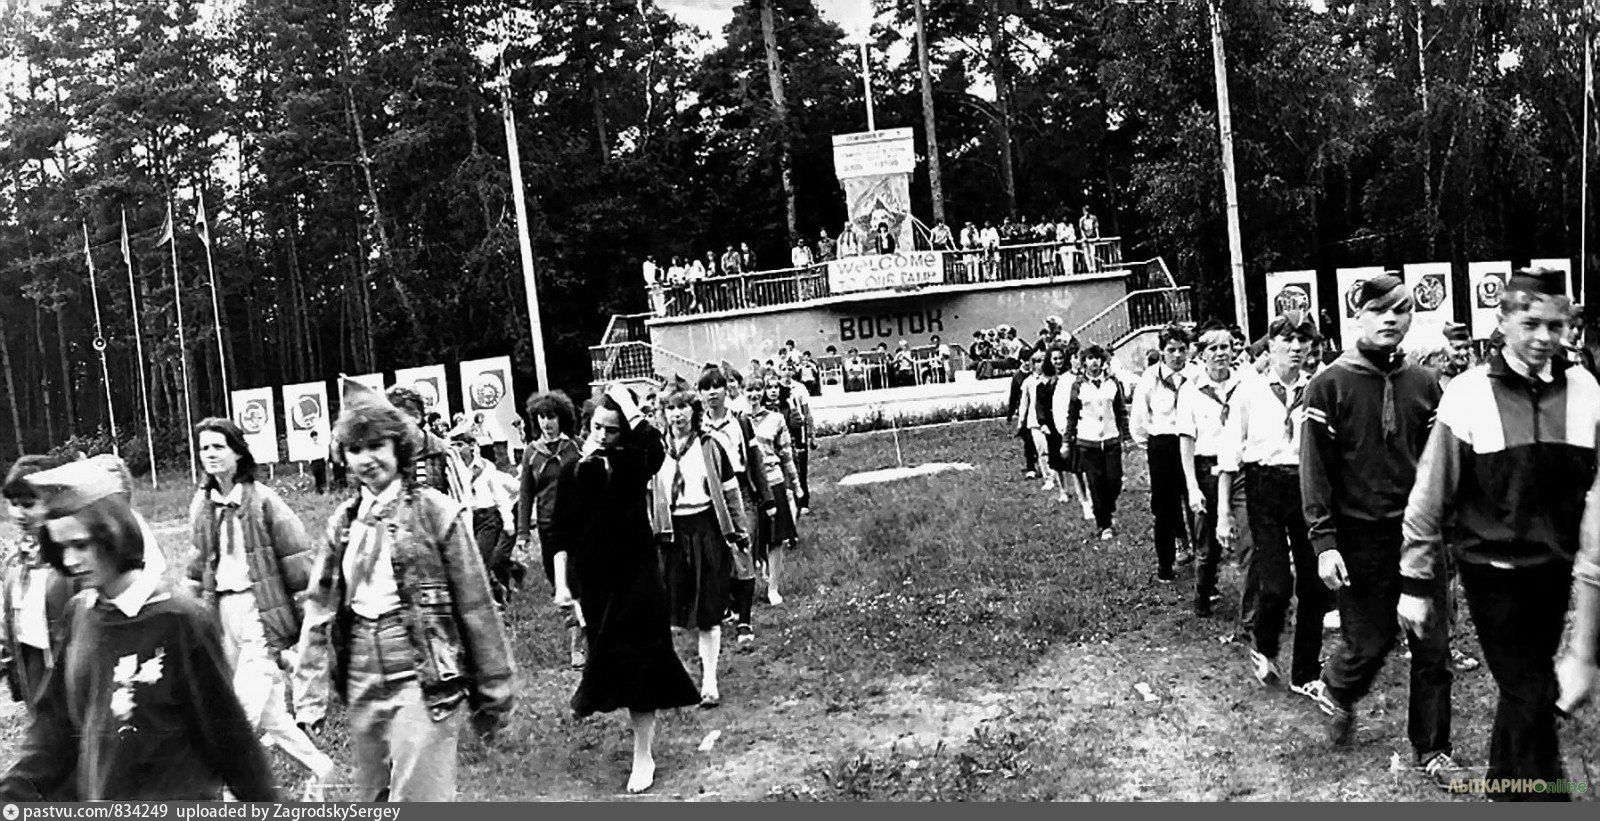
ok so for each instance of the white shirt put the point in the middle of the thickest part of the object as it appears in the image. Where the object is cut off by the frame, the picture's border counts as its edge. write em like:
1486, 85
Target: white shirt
649, 274
989, 238
1097, 419
1255, 433
378, 594
800, 256
489, 492
1199, 415
697, 270
140, 592
33, 626
1155, 402
730, 434
696, 496
233, 567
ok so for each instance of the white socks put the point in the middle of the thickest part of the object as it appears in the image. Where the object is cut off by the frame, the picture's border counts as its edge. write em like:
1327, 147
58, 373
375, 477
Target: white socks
710, 649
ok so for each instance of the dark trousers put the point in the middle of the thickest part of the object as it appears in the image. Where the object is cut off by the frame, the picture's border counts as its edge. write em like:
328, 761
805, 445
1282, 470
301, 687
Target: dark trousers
1520, 613
1371, 552
1283, 567
494, 545
1167, 499
1030, 454
742, 599
1205, 536
1102, 472
319, 474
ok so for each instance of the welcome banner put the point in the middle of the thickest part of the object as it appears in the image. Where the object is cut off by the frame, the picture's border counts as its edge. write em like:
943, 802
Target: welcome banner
885, 272
1350, 281
1485, 282
486, 389
1433, 290
429, 383
254, 412
305, 406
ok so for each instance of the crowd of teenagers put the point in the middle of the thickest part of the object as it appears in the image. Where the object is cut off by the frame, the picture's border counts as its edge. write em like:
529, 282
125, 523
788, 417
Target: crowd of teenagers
1374, 484
647, 514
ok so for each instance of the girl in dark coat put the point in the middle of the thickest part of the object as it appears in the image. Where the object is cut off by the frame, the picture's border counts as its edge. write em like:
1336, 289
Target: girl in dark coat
602, 528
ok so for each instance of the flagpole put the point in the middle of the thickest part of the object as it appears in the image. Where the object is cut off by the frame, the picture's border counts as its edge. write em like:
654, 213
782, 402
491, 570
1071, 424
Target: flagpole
216, 313
1583, 173
530, 283
100, 342
138, 347
183, 349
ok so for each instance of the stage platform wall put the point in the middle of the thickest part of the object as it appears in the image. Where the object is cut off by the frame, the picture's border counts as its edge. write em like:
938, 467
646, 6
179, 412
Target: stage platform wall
952, 312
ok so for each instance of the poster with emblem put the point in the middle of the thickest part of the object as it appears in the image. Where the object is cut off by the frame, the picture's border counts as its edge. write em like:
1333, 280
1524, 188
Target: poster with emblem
1293, 291
1433, 290
305, 406
486, 389
429, 383
1562, 264
1485, 281
1350, 281
254, 412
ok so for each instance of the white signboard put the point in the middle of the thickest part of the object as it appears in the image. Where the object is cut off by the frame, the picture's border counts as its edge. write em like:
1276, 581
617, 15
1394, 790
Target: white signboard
1562, 264
870, 153
429, 383
1350, 281
371, 380
486, 389
885, 272
305, 406
1485, 282
1433, 290
253, 411
1293, 291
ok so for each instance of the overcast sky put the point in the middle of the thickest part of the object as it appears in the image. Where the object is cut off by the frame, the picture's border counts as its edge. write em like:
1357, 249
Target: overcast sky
711, 15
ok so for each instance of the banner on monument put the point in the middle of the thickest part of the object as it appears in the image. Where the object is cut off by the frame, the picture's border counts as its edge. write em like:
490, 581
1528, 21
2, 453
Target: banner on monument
305, 406
1350, 281
871, 153
429, 383
1563, 264
254, 412
1293, 291
885, 271
1433, 290
1485, 282
486, 389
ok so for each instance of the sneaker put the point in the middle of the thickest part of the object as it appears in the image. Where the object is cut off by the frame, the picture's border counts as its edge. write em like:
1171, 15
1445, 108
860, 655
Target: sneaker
1030, 474
1265, 669
773, 598
1106, 535
1062, 496
1317, 691
1185, 557
710, 700
1049, 484
1461, 661
1342, 727
746, 634
1168, 578
1444, 770
805, 511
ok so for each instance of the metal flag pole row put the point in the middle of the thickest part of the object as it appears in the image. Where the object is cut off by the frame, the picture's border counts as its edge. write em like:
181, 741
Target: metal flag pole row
100, 342
183, 348
138, 346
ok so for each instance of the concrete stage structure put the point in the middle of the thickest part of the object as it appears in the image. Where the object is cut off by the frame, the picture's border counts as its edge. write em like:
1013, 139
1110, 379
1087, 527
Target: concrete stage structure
861, 302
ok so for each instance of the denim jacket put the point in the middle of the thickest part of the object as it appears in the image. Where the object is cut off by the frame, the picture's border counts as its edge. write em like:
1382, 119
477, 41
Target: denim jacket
455, 632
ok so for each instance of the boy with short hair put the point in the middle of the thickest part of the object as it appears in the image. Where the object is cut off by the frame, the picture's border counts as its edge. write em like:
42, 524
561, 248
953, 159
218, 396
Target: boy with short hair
1097, 422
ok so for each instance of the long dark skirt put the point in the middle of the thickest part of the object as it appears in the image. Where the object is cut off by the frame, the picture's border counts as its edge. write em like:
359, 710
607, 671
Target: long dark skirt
698, 567
631, 663
775, 529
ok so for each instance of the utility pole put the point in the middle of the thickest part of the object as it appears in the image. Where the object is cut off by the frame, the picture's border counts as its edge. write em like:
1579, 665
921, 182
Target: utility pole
866, 86
935, 182
530, 284
1230, 186
1584, 284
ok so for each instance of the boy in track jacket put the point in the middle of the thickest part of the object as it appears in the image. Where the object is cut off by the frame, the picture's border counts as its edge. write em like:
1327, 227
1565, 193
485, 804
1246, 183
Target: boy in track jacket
1368, 416
1502, 482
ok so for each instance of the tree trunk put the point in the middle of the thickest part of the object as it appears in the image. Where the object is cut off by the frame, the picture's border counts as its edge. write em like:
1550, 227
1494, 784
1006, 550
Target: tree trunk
44, 375
998, 59
935, 182
11, 392
1428, 194
780, 115
597, 108
68, 400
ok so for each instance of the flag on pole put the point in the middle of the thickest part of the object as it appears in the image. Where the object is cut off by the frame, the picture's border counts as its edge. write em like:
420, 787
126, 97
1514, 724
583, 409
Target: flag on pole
166, 228
127, 254
201, 227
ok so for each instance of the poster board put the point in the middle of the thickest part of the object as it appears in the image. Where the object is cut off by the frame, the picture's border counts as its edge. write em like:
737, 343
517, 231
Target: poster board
309, 427
1293, 290
1350, 281
429, 383
1485, 282
486, 388
1433, 291
254, 412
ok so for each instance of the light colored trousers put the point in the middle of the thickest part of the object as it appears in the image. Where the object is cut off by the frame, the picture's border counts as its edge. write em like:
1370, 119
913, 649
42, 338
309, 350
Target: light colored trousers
261, 685
402, 754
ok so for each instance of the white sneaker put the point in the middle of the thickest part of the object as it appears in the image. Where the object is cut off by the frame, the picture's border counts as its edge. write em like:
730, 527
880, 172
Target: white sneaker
1062, 496
773, 598
1331, 620
1317, 691
1049, 485
1265, 669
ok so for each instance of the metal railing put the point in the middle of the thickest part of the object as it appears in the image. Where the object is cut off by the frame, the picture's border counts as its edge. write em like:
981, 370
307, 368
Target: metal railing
638, 360
1135, 312
791, 286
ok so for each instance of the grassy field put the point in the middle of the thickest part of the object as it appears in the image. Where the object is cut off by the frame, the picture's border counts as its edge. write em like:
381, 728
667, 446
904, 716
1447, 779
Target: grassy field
953, 637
